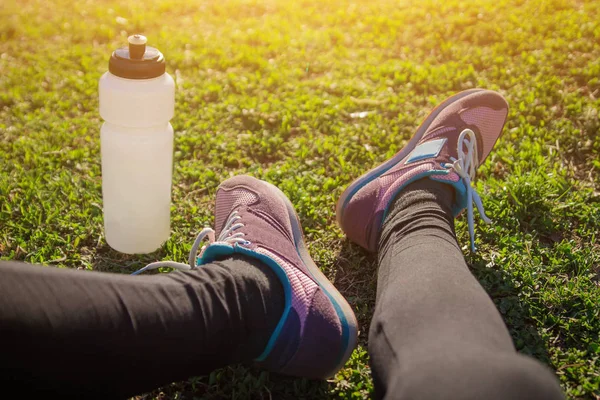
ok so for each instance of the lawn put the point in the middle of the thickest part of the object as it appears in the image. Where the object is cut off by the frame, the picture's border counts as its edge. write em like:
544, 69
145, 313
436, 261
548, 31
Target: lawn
277, 89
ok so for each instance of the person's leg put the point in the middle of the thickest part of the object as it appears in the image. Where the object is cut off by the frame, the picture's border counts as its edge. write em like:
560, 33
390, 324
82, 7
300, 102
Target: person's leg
88, 334
435, 333
256, 294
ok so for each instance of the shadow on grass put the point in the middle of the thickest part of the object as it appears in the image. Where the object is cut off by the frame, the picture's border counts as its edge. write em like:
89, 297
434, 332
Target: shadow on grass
515, 311
108, 260
357, 272
357, 280
243, 382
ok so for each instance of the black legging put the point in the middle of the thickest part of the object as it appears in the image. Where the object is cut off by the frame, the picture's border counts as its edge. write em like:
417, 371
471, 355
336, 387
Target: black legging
82, 334
435, 333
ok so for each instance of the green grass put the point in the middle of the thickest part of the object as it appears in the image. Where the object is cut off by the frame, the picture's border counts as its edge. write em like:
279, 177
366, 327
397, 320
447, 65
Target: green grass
269, 88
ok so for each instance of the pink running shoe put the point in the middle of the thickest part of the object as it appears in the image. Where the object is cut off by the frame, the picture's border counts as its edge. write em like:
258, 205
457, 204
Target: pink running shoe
448, 147
318, 329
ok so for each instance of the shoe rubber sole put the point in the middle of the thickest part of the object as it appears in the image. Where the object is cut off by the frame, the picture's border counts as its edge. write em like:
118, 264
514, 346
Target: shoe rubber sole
367, 177
342, 308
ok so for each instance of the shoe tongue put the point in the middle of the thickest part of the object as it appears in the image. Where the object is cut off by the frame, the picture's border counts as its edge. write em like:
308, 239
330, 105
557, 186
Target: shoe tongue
227, 201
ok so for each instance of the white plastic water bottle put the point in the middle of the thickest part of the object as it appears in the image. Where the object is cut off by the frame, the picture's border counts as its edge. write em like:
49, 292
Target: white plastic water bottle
137, 101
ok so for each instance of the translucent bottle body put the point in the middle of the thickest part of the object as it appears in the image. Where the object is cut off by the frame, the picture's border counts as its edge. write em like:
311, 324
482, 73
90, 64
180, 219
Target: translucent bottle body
137, 161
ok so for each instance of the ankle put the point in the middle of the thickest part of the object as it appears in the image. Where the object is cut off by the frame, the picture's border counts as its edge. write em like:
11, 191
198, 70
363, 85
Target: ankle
424, 207
423, 191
